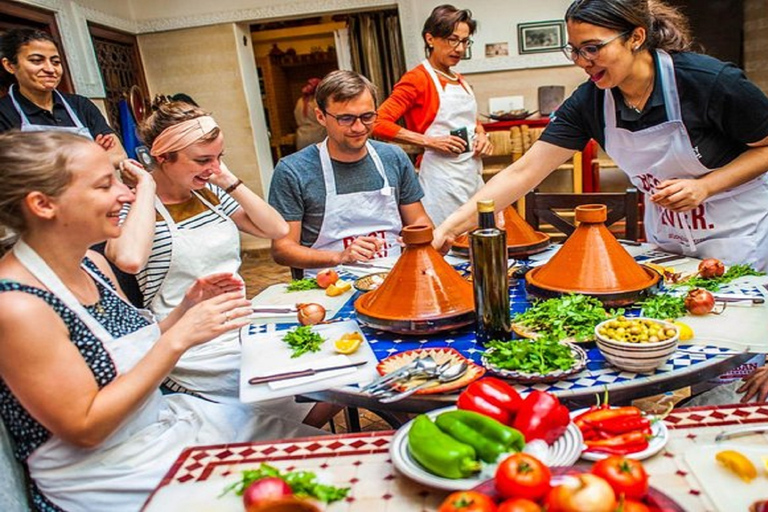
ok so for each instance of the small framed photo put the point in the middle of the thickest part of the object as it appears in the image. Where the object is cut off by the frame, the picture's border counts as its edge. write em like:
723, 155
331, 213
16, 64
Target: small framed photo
496, 50
541, 36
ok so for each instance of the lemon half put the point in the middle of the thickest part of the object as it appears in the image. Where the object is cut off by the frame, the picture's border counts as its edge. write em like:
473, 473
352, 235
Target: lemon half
348, 343
737, 463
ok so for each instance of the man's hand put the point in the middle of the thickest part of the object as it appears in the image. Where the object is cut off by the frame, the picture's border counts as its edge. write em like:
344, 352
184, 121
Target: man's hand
362, 248
680, 195
442, 241
755, 385
106, 140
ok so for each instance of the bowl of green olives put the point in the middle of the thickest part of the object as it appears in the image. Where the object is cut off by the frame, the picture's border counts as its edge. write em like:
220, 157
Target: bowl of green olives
636, 344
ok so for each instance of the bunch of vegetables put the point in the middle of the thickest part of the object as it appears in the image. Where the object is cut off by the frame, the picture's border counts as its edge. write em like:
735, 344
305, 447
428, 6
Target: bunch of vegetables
541, 355
712, 275
539, 416
614, 484
614, 430
569, 316
267, 483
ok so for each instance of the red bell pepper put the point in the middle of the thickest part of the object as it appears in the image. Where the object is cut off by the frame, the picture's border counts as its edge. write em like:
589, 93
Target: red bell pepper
621, 425
541, 416
623, 444
605, 413
491, 397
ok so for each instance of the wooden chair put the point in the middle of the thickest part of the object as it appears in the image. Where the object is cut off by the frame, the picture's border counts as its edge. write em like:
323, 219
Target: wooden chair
557, 210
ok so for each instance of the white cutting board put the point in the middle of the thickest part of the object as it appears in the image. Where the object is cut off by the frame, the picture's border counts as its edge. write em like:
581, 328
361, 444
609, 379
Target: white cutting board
267, 354
276, 295
728, 492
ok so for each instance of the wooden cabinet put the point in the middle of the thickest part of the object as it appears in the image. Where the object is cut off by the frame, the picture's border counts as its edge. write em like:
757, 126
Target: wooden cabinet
282, 79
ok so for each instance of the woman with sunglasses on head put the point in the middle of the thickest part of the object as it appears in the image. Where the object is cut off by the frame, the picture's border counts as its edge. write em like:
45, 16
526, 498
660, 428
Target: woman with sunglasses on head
690, 131
81, 367
32, 65
440, 114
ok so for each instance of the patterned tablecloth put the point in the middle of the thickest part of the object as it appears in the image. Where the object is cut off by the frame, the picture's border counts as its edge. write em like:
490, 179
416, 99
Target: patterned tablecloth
689, 361
362, 462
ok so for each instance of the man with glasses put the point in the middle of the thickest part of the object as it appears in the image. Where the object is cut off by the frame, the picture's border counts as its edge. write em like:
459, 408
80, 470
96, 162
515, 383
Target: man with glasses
347, 198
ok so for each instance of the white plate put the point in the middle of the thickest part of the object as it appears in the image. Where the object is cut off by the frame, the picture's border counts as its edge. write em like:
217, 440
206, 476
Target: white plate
564, 452
655, 444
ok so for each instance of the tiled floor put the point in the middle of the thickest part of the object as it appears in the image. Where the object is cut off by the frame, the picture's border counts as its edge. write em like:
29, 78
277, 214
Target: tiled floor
260, 271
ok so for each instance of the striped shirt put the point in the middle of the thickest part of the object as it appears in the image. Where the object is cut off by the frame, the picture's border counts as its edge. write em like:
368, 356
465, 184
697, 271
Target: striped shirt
191, 214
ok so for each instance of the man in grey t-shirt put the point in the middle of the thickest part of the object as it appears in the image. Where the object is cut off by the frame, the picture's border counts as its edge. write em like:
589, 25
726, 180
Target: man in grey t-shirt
347, 198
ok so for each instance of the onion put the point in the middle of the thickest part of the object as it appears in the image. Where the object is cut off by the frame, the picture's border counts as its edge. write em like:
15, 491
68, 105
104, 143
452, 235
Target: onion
699, 301
711, 267
311, 313
263, 491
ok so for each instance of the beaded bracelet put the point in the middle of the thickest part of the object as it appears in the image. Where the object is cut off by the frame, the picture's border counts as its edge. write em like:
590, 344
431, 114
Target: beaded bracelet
232, 187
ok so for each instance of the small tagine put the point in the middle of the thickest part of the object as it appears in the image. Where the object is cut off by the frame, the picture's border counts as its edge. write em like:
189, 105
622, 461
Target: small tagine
522, 240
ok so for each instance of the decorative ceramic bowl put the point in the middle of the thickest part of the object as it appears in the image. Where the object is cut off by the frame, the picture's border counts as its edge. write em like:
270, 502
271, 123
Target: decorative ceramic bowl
638, 357
370, 282
440, 355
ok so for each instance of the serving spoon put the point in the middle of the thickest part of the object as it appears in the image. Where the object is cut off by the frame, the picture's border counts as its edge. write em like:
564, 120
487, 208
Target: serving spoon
446, 374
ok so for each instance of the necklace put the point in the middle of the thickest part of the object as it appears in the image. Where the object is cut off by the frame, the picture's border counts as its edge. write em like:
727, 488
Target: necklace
453, 78
634, 106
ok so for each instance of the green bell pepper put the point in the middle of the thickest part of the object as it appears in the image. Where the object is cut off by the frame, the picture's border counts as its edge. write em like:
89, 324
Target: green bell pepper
439, 453
488, 437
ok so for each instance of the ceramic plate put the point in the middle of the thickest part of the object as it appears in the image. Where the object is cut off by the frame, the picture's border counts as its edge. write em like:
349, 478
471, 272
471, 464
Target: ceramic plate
370, 282
655, 444
440, 355
564, 452
579, 363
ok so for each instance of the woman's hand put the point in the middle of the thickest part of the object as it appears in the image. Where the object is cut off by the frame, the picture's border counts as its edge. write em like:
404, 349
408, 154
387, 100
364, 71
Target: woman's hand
680, 195
483, 146
449, 144
224, 178
211, 286
211, 318
755, 385
133, 174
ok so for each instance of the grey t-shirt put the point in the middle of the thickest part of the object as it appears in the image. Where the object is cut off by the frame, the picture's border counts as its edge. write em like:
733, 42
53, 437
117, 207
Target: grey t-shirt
298, 188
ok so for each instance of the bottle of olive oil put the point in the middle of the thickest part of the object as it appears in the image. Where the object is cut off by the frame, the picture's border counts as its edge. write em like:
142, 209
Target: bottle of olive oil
488, 254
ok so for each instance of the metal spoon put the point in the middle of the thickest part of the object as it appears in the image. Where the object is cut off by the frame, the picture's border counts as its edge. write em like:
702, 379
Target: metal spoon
422, 366
449, 374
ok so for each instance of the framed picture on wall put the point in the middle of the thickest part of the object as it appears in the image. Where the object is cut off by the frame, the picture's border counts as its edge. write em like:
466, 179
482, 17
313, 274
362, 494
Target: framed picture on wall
467, 53
541, 36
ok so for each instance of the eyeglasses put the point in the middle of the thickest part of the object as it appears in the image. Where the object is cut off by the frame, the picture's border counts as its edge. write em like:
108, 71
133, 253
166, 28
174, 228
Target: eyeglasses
588, 51
455, 42
367, 118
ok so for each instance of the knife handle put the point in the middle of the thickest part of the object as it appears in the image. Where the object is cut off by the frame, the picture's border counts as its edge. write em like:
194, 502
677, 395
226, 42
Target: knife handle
281, 376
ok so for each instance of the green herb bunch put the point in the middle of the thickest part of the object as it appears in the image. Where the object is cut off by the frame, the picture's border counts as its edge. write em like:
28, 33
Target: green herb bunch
302, 340
714, 283
542, 355
570, 316
303, 484
299, 285
664, 306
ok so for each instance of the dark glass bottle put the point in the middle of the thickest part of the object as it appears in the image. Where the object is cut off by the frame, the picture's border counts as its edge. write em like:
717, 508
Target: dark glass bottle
488, 254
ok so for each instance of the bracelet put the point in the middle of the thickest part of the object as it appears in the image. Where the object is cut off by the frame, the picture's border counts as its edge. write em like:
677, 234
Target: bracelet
232, 187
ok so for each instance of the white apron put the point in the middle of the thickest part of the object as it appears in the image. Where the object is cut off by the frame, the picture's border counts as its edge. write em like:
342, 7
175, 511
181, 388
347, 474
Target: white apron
449, 181
120, 473
27, 126
212, 369
368, 213
731, 226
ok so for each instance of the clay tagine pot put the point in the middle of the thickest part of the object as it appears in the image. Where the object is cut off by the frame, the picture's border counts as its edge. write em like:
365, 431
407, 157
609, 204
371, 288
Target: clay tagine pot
592, 262
421, 294
522, 240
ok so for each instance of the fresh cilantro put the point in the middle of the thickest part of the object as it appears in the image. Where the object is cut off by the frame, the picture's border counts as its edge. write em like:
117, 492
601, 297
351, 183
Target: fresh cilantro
302, 483
664, 306
713, 284
569, 316
299, 285
542, 355
302, 340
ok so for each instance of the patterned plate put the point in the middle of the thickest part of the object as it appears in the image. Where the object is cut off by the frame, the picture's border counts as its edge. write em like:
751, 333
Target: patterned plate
370, 282
564, 452
579, 363
440, 355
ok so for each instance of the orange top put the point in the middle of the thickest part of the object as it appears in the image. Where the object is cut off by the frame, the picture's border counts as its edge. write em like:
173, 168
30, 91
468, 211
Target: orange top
413, 97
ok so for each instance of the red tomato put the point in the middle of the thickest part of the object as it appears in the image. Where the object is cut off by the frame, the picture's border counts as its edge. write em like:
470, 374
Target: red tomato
263, 491
582, 493
633, 506
519, 505
327, 277
522, 476
467, 501
626, 476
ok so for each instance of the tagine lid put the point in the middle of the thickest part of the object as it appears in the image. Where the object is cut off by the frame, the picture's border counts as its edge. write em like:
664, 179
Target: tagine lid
421, 285
592, 261
521, 237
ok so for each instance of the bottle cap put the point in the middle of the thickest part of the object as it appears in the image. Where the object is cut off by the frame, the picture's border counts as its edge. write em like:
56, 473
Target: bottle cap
486, 206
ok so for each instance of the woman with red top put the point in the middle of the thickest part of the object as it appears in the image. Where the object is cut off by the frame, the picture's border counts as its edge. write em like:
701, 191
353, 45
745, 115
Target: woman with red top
440, 115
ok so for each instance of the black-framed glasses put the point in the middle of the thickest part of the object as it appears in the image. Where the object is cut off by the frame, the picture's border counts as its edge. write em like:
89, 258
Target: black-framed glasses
454, 42
589, 51
367, 118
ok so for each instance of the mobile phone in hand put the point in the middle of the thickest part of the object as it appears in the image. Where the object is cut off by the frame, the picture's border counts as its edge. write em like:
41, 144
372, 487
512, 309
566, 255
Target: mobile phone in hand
463, 134
143, 156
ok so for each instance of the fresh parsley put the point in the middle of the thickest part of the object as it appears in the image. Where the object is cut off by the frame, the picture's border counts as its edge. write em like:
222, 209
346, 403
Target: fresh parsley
569, 316
299, 285
302, 483
713, 284
302, 340
664, 306
542, 355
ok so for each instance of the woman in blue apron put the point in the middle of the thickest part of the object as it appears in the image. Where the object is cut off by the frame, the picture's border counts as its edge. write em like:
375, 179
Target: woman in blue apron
81, 367
32, 63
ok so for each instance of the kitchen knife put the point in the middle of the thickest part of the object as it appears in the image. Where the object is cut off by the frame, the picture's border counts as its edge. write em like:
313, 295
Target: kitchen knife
735, 297
301, 373
666, 259
741, 431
